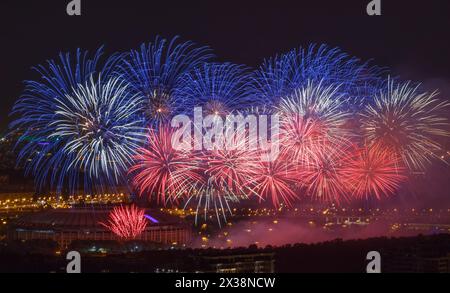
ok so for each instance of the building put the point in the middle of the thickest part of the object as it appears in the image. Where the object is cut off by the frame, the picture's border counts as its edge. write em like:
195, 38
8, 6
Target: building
67, 225
439, 264
237, 263
413, 263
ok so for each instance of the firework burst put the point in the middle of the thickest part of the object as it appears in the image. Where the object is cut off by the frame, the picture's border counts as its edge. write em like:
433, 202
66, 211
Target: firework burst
324, 178
218, 88
281, 76
275, 180
210, 197
84, 125
155, 72
374, 172
226, 171
408, 122
313, 121
164, 172
99, 130
229, 170
127, 222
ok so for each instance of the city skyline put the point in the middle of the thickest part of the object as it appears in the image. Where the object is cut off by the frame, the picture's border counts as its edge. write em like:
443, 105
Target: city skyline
237, 137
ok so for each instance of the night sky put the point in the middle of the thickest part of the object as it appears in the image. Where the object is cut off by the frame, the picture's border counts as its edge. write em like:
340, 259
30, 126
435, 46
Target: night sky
412, 38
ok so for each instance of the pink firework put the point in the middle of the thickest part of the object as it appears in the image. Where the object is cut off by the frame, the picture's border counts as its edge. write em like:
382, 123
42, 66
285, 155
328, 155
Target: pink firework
163, 172
303, 139
313, 121
127, 222
275, 180
324, 178
226, 172
374, 172
230, 169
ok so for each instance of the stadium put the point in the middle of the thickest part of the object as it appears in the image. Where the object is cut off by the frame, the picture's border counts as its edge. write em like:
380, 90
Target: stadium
67, 225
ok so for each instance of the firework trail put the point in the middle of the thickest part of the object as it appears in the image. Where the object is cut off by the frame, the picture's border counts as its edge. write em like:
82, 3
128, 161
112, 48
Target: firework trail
313, 121
127, 222
374, 172
155, 72
85, 126
218, 88
211, 198
407, 122
164, 172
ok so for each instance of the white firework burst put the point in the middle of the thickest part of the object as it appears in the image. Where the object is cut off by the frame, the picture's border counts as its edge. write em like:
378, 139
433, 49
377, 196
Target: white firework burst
408, 121
100, 127
313, 121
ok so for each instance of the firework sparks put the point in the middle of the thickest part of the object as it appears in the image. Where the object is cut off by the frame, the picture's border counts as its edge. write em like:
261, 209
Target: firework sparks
162, 171
407, 122
155, 72
312, 122
226, 171
96, 123
374, 172
324, 178
218, 88
127, 222
85, 126
281, 76
230, 168
275, 180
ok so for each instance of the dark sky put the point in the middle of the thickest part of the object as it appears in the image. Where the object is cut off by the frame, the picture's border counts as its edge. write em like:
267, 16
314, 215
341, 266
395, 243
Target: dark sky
412, 37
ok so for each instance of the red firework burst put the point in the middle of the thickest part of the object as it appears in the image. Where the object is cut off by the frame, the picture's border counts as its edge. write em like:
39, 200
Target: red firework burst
230, 169
127, 222
313, 122
374, 172
162, 171
324, 178
275, 180
302, 138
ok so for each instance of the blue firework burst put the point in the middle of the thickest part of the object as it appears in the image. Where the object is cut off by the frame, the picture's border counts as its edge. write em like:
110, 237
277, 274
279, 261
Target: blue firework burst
84, 124
219, 88
284, 74
154, 71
